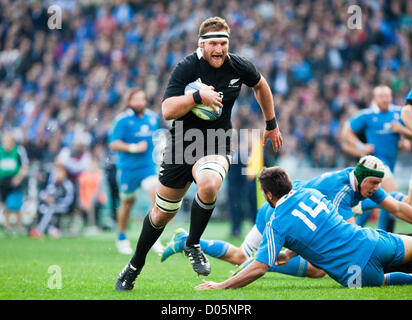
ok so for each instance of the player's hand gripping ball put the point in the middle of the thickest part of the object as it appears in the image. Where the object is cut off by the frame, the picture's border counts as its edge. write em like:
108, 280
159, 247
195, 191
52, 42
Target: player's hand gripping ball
202, 111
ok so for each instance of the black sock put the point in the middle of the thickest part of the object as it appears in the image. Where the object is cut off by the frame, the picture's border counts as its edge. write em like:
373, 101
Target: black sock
199, 218
148, 237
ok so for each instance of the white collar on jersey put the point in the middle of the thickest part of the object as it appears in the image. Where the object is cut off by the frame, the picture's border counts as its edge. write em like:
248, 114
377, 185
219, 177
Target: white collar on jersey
200, 53
283, 198
375, 109
352, 180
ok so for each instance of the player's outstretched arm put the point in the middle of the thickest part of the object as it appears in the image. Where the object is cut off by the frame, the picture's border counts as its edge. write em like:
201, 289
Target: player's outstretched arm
264, 97
253, 272
399, 209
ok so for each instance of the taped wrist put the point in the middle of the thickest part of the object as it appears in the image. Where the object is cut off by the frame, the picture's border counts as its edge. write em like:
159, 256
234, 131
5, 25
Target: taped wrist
271, 124
132, 148
196, 97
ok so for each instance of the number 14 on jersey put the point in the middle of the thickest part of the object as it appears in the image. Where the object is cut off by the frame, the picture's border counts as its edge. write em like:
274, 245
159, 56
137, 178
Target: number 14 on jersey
313, 212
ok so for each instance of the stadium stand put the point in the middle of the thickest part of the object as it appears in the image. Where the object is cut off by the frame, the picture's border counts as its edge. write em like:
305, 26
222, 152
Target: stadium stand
57, 84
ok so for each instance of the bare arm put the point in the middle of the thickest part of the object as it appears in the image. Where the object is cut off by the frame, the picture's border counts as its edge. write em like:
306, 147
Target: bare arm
264, 97
409, 197
177, 106
350, 149
119, 145
399, 209
397, 127
18, 178
406, 116
350, 141
251, 273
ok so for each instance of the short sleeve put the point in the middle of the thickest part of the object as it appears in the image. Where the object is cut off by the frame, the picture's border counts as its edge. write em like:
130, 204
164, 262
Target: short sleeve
181, 75
117, 132
270, 246
23, 158
357, 123
249, 75
379, 195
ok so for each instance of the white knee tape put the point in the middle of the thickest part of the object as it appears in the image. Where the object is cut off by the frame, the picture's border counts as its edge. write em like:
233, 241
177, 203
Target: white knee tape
214, 167
166, 205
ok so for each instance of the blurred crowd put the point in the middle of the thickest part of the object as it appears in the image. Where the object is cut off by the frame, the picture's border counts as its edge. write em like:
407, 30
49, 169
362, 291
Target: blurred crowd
61, 89
56, 84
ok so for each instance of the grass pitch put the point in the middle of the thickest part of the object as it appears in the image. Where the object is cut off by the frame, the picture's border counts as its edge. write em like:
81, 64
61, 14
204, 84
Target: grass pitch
89, 267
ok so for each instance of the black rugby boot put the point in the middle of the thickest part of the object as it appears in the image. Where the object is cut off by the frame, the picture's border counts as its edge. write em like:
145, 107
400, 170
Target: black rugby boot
200, 263
127, 278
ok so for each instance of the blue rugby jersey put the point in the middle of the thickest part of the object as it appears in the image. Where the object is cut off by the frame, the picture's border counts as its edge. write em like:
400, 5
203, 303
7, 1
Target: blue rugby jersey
130, 128
306, 222
377, 127
339, 187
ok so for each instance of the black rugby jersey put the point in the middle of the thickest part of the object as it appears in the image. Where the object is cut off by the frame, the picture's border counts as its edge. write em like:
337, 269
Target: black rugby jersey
227, 79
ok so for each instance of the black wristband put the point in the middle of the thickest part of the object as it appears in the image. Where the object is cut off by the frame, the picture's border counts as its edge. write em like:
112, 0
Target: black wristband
196, 97
271, 124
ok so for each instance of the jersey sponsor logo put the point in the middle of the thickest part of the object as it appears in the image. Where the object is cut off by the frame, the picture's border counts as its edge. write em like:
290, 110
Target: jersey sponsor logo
152, 121
144, 131
8, 164
234, 83
387, 129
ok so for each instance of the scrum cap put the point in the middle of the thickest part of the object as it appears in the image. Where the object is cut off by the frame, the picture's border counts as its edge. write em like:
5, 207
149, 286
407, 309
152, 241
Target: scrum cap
367, 167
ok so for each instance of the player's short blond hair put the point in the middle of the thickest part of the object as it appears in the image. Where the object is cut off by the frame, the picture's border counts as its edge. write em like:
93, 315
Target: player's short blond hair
213, 24
381, 88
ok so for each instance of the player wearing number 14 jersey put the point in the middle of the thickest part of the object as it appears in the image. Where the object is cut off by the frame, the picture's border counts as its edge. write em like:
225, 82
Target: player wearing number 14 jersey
343, 188
308, 224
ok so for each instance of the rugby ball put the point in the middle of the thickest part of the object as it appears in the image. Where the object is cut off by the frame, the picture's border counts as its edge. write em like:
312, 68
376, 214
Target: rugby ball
202, 111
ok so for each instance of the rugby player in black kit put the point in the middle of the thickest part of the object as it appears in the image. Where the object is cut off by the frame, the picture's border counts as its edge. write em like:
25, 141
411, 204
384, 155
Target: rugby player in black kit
224, 73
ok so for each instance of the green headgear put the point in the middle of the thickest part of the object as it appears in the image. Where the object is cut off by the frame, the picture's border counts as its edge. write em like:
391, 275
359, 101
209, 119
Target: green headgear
369, 166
